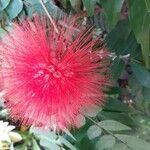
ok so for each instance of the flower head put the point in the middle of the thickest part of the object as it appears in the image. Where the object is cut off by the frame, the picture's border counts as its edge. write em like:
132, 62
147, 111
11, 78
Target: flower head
48, 78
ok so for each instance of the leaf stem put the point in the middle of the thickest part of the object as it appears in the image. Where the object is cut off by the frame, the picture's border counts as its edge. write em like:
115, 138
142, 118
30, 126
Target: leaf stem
49, 16
92, 120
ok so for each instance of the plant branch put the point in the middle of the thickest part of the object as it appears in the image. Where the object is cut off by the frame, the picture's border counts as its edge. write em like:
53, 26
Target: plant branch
109, 132
49, 16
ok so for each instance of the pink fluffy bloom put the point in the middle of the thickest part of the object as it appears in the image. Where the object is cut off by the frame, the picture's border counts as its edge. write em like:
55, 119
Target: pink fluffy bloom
48, 78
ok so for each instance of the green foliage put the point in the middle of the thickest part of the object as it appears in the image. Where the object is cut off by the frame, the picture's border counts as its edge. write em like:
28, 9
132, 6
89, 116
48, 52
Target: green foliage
140, 72
50, 140
134, 142
14, 8
112, 125
93, 132
112, 11
89, 5
117, 44
141, 26
106, 141
4, 4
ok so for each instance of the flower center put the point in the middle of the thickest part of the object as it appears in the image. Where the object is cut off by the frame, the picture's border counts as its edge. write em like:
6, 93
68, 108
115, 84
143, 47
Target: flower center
52, 72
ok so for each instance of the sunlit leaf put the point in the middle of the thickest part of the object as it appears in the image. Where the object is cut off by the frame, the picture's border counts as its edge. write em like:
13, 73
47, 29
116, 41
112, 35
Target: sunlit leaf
49, 145
93, 132
106, 141
35, 145
134, 142
4, 4
14, 8
66, 143
113, 125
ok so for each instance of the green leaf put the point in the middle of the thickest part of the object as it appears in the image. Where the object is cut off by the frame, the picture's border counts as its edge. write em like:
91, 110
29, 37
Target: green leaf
116, 42
122, 117
51, 7
113, 125
115, 105
81, 133
141, 73
33, 2
50, 140
121, 41
14, 8
120, 146
76, 4
141, 26
42, 134
116, 39
69, 134
146, 94
134, 142
35, 145
132, 47
106, 141
48, 144
62, 140
93, 132
3, 4
90, 6
116, 69
33, 9
112, 11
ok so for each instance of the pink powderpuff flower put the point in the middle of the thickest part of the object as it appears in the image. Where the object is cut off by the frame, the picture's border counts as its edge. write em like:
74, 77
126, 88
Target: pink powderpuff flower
49, 77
